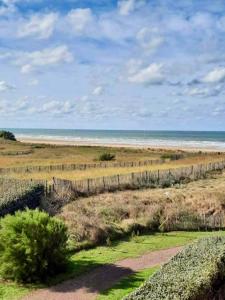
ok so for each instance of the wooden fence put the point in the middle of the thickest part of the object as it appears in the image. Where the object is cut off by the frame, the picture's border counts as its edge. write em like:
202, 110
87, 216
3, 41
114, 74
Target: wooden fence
66, 189
196, 222
9, 185
71, 167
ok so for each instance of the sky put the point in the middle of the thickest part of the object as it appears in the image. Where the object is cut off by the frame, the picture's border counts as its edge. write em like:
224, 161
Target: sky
112, 64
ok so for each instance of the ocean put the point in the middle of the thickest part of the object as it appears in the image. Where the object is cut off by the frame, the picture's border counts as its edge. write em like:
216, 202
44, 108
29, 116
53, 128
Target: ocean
192, 139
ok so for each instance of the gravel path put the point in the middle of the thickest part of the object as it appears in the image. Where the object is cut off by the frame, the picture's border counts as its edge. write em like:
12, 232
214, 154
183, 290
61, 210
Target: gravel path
89, 285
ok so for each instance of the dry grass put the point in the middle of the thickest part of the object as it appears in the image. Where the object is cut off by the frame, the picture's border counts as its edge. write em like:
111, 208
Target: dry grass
51, 155
100, 172
106, 216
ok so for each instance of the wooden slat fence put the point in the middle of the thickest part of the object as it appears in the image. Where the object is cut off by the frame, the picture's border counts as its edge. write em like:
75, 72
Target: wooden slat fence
67, 189
17, 185
71, 167
197, 222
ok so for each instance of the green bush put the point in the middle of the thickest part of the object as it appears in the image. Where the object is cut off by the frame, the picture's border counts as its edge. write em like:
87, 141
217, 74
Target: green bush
32, 246
7, 135
197, 272
106, 157
172, 156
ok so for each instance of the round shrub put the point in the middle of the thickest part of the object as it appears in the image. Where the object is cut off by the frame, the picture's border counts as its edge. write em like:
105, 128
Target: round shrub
7, 135
33, 246
106, 157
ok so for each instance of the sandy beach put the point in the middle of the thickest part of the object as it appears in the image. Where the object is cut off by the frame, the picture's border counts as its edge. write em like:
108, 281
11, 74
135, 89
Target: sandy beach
119, 145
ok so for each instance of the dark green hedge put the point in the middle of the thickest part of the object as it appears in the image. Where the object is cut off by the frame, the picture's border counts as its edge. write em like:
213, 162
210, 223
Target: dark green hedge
7, 135
196, 273
18, 199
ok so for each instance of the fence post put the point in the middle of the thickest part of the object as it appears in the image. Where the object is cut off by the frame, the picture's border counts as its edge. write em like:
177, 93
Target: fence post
103, 180
132, 179
88, 185
118, 178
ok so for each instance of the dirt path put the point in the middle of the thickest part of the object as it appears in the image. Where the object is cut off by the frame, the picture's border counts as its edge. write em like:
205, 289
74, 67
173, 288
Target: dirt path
88, 286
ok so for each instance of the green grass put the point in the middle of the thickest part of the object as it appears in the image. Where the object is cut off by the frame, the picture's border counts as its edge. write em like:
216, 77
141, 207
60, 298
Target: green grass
86, 260
12, 291
127, 285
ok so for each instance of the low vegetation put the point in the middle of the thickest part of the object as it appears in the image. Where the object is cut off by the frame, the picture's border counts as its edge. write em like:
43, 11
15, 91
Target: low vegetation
194, 273
107, 157
17, 195
40, 154
194, 206
111, 171
172, 156
84, 261
33, 246
127, 285
7, 135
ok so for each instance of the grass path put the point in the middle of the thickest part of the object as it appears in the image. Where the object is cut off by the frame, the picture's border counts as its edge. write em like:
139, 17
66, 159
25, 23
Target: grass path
86, 260
90, 285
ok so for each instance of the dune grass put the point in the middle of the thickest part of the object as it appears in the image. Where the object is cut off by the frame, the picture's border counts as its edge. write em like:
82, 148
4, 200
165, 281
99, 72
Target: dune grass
99, 172
42, 154
97, 218
127, 285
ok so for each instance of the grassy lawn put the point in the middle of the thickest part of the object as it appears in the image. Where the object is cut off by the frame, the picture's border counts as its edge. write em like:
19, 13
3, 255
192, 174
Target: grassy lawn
86, 260
127, 285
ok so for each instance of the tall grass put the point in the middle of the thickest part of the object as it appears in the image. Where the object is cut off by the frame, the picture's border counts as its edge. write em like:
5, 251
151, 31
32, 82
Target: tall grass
193, 206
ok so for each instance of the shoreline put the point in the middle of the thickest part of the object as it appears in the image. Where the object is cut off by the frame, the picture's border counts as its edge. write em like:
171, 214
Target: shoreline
58, 142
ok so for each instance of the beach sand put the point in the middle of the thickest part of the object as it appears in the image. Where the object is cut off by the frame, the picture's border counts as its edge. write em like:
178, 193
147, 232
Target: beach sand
120, 145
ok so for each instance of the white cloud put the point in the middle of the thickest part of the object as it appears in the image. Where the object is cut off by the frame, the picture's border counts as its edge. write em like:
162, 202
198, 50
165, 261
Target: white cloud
218, 111
80, 19
33, 82
106, 25
20, 105
149, 39
29, 61
128, 6
7, 10
215, 76
202, 91
5, 86
134, 65
153, 74
40, 26
57, 107
97, 91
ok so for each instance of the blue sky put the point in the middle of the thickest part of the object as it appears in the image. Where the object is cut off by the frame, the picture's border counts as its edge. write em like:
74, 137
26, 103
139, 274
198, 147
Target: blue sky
107, 64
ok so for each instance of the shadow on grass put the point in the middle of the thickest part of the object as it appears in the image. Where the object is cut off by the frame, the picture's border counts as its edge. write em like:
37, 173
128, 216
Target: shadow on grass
100, 278
127, 284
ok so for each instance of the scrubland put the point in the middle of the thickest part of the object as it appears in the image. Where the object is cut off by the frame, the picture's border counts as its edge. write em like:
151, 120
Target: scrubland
15, 154
104, 217
109, 171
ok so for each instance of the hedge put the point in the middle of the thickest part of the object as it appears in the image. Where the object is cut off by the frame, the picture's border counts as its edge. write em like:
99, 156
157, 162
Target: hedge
7, 135
196, 273
27, 196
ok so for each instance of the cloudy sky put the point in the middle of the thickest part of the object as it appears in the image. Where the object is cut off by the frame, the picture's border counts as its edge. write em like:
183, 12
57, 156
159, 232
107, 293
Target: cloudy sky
108, 64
